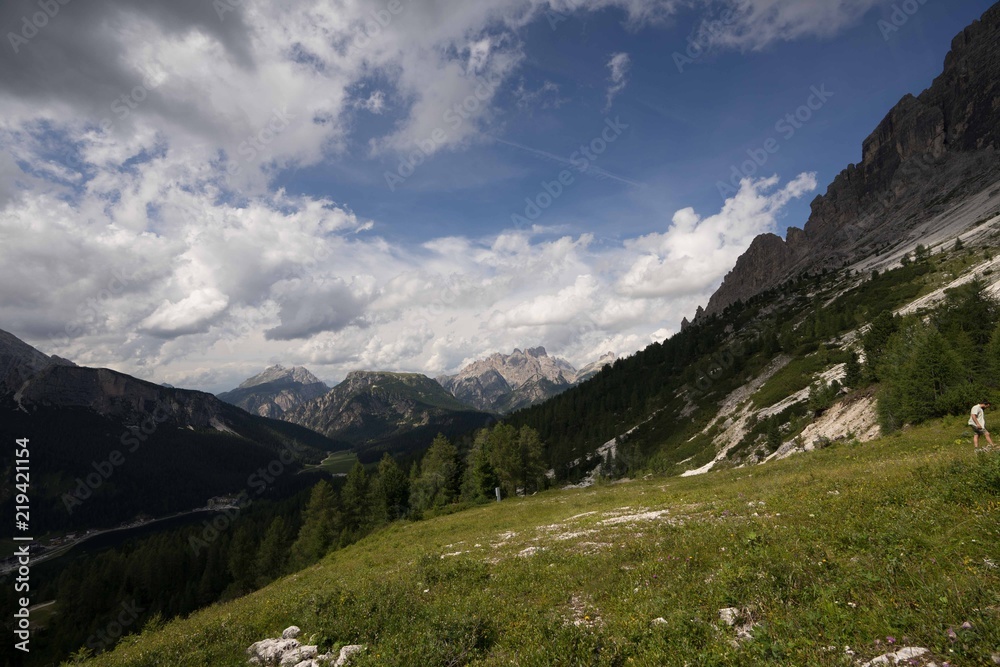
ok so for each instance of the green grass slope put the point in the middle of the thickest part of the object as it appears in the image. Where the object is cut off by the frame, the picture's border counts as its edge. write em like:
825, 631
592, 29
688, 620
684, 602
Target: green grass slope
843, 547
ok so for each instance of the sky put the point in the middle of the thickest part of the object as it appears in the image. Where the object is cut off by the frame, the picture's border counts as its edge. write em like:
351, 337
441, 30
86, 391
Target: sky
193, 190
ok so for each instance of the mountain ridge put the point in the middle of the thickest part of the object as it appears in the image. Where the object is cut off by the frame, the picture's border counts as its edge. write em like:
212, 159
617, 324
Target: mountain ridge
378, 411
928, 150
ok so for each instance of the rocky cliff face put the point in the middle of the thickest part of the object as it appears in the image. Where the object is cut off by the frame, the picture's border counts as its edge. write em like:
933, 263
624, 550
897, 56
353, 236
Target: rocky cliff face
276, 391
592, 369
504, 383
368, 407
120, 396
928, 153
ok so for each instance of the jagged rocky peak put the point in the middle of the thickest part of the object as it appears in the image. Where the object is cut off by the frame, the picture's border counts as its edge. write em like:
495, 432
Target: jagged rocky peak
275, 391
929, 154
278, 373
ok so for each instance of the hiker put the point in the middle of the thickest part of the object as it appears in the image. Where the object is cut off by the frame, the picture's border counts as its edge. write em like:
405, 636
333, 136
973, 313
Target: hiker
977, 420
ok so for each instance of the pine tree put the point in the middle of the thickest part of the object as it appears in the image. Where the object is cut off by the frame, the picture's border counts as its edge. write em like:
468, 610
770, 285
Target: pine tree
354, 501
320, 525
390, 491
241, 560
437, 484
273, 553
532, 473
853, 372
505, 457
875, 340
480, 478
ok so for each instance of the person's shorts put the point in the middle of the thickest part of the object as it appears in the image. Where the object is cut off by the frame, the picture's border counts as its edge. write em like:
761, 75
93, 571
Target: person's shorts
978, 431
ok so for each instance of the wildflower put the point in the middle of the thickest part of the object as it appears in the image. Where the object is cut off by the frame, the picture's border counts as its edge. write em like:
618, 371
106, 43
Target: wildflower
890, 640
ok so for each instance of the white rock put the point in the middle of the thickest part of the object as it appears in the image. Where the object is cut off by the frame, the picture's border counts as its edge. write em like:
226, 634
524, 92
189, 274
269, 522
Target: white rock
346, 653
895, 658
298, 655
291, 632
729, 615
270, 651
659, 621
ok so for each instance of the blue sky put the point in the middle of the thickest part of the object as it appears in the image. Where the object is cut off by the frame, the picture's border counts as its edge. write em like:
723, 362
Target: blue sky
192, 191
686, 129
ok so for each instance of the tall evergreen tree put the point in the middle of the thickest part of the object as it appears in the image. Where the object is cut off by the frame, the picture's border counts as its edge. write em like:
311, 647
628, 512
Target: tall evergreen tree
272, 557
875, 340
241, 560
390, 491
480, 477
355, 502
320, 524
437, 484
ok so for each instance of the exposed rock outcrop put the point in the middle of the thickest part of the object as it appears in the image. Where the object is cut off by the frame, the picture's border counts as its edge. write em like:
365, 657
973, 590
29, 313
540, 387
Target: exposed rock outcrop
592, 369
287, 651
928, 153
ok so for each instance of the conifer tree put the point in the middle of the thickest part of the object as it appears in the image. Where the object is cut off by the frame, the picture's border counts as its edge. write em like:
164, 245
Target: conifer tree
354, 501
272, 557
390, 491
320, 525
437, 483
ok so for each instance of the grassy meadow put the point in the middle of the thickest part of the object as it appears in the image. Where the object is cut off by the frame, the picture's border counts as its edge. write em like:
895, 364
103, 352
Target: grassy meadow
830, 558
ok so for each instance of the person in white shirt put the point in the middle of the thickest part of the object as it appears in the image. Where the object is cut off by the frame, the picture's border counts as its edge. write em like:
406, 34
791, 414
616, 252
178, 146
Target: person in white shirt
977, 420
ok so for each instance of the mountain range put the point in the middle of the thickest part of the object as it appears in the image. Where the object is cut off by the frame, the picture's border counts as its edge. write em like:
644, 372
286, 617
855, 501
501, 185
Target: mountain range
107, 447
379, 412
504, 383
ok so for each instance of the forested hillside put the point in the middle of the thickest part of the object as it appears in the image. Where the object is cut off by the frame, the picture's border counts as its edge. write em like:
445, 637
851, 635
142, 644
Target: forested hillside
670, 392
